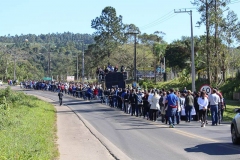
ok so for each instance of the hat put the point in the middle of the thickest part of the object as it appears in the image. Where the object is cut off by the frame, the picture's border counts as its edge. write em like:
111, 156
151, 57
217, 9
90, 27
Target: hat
189, 91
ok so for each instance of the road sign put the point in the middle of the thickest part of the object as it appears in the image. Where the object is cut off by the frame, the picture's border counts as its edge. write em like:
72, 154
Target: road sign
207, 88
47, 78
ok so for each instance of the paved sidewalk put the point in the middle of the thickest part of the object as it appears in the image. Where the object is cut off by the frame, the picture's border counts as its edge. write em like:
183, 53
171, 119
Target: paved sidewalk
75, 141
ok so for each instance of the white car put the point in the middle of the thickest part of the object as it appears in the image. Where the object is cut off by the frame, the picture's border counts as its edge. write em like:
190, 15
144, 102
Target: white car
1, 83
235, 127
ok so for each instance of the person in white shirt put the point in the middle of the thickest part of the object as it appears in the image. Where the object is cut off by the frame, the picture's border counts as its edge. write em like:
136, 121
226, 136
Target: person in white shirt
214, 99
150, 95
203, 104
154, 106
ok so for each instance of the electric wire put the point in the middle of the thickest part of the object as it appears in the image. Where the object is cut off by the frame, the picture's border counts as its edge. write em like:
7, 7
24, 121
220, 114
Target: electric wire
234, 1
159, 22
157, 19
162, 19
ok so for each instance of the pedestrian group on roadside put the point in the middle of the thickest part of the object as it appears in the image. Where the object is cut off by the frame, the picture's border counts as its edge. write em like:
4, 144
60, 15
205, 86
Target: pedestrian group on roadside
171, 106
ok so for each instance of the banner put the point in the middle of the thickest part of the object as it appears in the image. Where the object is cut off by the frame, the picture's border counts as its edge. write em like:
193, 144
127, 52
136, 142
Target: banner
70, 78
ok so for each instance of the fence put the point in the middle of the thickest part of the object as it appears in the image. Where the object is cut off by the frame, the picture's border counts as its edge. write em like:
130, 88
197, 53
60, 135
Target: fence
236, 96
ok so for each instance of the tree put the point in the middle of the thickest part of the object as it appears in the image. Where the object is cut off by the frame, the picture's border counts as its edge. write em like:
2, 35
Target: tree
212, 16
158, 51
109, 30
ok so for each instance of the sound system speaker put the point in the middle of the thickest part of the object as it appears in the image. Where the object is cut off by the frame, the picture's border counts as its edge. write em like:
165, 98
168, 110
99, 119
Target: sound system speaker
114, 79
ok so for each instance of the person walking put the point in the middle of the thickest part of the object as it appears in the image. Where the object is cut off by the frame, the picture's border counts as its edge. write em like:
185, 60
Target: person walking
162, 106
196, 106
214, 100
150, 95
145, 105
179, 109
139, 103
154, 106
133, 100
126, 101
171, 101
203, 104
60, 96
189, 101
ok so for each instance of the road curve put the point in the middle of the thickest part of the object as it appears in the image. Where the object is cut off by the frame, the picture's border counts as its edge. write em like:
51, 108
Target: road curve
128, 137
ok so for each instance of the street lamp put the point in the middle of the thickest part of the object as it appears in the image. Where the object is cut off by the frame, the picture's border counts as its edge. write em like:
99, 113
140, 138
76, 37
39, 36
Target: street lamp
77, 64
48, 50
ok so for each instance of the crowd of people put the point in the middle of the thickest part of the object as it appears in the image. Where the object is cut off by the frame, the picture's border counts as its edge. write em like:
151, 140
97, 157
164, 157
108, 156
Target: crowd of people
170, 107
76, 89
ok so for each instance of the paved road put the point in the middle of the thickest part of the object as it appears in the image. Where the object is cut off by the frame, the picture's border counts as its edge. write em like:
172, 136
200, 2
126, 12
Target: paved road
140, 139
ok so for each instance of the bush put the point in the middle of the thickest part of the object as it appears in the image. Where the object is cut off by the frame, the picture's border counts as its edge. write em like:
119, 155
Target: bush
231, 85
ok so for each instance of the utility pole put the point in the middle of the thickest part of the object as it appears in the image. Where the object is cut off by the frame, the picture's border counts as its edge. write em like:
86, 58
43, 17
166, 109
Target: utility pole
135, 54
77, 66
83, 62
14, 72
215, 37
49, 65
192, 48
78, 59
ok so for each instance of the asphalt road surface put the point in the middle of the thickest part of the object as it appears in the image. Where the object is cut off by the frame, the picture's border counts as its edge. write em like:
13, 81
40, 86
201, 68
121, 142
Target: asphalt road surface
141, 139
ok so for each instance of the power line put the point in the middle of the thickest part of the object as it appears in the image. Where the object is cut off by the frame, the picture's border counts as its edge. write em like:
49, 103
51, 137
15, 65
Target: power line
171, 12
163, 20
233, 2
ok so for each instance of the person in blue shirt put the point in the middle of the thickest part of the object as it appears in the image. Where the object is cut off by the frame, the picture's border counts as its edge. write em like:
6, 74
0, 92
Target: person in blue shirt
74, 89
172, 101
89, 93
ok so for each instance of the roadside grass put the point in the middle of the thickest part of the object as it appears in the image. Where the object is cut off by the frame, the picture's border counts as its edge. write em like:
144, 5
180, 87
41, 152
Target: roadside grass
229, 113
27, 127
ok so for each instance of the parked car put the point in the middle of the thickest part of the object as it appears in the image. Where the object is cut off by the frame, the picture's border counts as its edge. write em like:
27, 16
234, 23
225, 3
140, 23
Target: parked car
235, 127
1, 83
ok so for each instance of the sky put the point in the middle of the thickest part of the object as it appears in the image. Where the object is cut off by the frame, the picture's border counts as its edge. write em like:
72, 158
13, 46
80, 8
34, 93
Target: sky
52, 16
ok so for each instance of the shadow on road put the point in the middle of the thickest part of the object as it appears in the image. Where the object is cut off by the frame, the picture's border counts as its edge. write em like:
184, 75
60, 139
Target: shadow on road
81, 102
215, 149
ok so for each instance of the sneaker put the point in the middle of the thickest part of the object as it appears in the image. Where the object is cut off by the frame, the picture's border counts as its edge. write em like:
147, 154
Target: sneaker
170, 126
203, 125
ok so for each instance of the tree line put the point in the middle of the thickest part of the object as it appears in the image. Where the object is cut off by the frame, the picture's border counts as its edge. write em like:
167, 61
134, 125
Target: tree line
113, 42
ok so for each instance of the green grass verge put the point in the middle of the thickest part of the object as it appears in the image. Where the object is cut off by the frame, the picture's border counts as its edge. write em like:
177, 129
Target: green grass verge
27, 127
229, 113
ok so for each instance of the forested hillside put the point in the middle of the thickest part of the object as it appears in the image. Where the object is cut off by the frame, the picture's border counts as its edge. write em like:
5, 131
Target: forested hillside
57, 55
57, 38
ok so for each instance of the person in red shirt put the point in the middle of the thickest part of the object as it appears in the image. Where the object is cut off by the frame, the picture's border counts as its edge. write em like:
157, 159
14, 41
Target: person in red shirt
95, 93
62, 88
